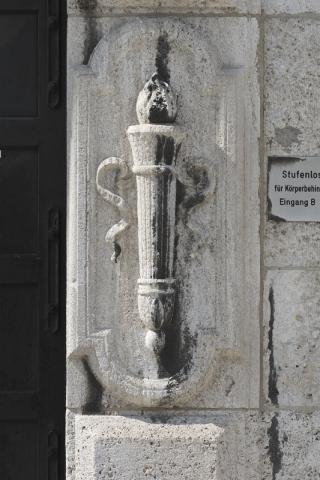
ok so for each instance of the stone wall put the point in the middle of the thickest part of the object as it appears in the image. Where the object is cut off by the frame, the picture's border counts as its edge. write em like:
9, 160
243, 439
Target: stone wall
237, 394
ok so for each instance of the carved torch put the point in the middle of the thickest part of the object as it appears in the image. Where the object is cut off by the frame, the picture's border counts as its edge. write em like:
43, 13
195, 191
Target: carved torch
155, 145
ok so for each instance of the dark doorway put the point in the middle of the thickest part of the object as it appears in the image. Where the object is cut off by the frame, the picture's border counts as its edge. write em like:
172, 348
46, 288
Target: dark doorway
32, 239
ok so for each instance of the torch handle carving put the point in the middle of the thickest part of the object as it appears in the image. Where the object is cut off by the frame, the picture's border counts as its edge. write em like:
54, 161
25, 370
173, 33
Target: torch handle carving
155, 149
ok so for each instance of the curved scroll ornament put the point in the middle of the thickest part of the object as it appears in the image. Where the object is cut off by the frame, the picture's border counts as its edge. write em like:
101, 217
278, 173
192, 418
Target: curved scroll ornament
116, 230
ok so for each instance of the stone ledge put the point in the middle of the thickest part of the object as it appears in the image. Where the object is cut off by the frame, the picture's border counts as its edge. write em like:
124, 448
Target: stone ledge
118, 7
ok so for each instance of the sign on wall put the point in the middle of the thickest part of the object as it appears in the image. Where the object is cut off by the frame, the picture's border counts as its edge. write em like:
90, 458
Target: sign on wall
294, 189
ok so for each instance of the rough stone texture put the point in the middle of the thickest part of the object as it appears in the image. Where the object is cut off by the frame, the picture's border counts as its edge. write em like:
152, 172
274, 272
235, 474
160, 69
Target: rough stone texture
291, 338
229, 442
292, 92
292, 56
293, 446
113, 7
290, 6
210, 61
208, 446
165, 446
70, 446
292, 244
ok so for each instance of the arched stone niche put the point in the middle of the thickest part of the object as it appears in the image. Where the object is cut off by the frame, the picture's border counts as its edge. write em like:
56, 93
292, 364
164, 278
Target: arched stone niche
211, 358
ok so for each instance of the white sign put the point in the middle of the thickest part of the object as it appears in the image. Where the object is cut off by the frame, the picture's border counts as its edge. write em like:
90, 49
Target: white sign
294, 189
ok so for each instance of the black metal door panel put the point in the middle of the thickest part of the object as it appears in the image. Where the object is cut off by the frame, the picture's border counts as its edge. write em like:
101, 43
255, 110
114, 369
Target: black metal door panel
32, 239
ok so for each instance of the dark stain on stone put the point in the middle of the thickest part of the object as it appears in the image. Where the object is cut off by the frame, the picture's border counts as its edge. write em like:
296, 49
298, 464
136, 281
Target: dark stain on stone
162, 57
162, 104
86, 6
165, 155
178, 352
168, 151
269, 202
273, 377
189, 345
170, 356
271, 216
159, 148
287, 135
277, 159
165, 152
183, 360
274, 450
180, 196
95, 391
116, 252
160, 418
91, 38
91, 31
188, 198
229, 387
160, 238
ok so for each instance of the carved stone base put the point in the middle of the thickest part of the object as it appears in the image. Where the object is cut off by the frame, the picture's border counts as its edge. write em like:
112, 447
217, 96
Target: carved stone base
156, 303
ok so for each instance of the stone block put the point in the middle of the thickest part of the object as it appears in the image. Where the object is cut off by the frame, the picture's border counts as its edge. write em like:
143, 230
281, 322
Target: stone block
292, 109
290, 6
291, 338
162, 446
114, 7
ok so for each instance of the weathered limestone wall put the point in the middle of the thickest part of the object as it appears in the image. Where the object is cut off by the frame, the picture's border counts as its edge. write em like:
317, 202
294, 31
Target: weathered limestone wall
237, 395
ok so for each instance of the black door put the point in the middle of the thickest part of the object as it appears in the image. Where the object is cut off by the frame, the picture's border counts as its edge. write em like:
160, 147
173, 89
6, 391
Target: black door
32, 239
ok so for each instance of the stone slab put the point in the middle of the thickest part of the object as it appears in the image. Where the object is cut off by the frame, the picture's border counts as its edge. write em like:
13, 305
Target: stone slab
292, 112
290, 6
291, 338
213, 65
167, 447
114, 7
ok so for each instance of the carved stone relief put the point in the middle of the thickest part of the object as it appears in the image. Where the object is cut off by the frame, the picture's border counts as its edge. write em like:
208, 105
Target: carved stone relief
155, 144
165, 322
